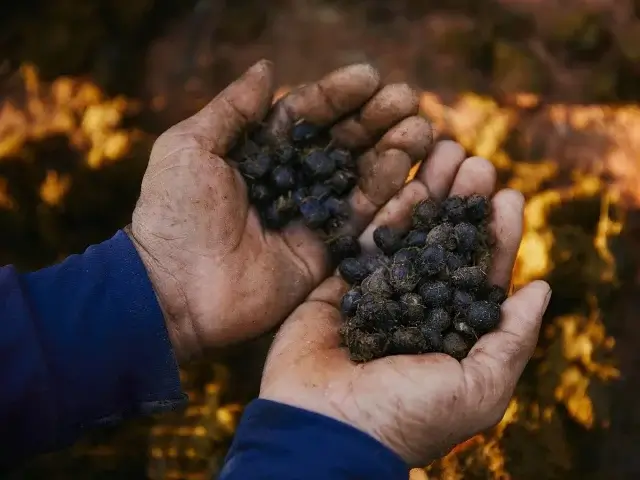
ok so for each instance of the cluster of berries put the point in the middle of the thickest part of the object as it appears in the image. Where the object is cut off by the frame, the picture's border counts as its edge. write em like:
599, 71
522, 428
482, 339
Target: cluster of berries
301, 178
427, 289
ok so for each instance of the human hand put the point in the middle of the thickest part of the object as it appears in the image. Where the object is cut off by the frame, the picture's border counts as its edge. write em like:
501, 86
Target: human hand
420, 406
219, 277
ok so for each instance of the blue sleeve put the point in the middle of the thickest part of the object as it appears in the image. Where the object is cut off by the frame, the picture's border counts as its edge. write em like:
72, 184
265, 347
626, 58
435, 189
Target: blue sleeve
82, 344
280, 442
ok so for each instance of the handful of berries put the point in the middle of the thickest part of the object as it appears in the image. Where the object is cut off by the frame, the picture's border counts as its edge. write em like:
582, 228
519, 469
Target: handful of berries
427, 291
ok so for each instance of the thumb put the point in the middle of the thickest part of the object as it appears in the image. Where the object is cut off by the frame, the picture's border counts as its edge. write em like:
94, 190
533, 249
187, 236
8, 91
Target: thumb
498, 358
217, 126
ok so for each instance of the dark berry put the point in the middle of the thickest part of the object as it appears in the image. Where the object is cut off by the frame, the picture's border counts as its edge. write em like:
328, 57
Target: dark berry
435, 293
438, 319
455, 345
344, 246
433, 339
477, 208
405, 255
304, 132
320, 190
342, 181
314, 212
352, 270
468, 278
442, 235
259, 193
453, 209
412, 308
454, 261
342, 158
299, 194
318, 165
279, 212
258, 166
283, 178
285, 153
377, 284
425, 214
364, 347
415, 238
373, 261
403, 276
349, 303
483, 316
431, 260
337, 207
379, 313
407, 341
497, 294
387, 239
461, 301
465, 330
466, 236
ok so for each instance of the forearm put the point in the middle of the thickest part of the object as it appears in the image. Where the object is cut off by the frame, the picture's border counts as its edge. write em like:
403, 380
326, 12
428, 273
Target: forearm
83, 344
279, 441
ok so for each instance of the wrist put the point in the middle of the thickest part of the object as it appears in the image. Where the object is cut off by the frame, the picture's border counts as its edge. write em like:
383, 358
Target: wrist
172, 303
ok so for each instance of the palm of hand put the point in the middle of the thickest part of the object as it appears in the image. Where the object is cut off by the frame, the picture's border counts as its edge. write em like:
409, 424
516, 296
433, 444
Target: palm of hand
218, 275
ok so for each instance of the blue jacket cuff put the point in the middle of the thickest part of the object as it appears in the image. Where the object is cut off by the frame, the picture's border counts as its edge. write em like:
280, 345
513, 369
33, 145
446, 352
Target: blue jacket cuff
279, 441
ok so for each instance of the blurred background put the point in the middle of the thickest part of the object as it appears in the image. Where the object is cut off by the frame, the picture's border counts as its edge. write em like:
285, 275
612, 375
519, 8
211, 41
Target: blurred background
546, 89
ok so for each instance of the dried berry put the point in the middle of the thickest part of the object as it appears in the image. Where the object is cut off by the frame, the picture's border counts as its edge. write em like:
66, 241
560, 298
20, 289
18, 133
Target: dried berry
403, 276
320, 191
497, 294
431, 260
455, 345
453, 209
377, 284
304, 132
283, 178
412, 308
415, 238
405, 255
425, 214
483, 316
352, 270
314, 212
387, 239
259, 193
477, 208
299, 194
465, 330
280, 211
337, 207
454, 261
364, 347
373, 261
285, 153
342, 158
349, 303
468, 278
433, 339
438, 319
442, 235
461, 301
408, 340
466, 236
344, 246
380, 314
435, 293
258, 166
318, 165
342, 182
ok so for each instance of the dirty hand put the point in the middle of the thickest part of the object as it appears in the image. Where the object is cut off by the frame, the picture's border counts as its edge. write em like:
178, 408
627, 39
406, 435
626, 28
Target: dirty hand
419, 406
219, 277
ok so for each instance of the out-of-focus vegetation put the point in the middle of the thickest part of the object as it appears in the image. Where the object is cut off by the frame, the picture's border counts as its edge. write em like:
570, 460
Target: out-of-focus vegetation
76, 129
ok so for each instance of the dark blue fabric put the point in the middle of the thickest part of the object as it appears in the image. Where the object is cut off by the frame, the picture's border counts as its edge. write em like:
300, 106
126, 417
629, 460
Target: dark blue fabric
82, 343
281, 442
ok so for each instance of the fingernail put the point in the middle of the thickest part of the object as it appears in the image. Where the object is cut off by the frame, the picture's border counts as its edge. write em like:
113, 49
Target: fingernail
547, 299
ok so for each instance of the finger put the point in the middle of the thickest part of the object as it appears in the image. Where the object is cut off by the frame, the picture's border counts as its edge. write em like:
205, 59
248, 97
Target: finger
396, 213
440, 169
475, 175
497, 360
387, 107
506, 229
414, 135
323, 102
382, 175
217, 126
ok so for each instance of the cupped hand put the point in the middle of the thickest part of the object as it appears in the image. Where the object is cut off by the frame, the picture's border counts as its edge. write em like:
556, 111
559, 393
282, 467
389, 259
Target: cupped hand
219, 277
420, 406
